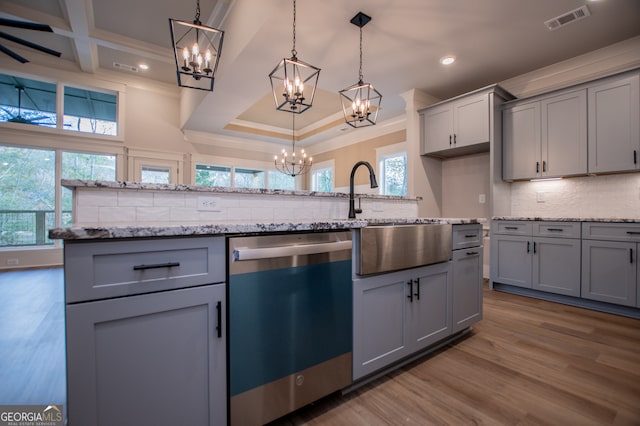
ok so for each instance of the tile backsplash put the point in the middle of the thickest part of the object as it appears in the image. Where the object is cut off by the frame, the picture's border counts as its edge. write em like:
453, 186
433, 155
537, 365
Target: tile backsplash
612, 196
103, 206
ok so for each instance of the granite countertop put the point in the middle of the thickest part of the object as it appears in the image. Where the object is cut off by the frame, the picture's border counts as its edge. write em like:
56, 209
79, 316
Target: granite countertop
569, 219
141, 186
79, 232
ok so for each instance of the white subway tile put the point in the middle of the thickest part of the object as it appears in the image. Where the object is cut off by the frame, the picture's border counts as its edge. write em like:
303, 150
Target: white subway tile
117, 215
135, 199
153, 214
169, 199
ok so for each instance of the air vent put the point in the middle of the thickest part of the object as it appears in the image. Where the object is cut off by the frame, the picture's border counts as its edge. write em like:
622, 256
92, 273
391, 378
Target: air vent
125, 67
567, 18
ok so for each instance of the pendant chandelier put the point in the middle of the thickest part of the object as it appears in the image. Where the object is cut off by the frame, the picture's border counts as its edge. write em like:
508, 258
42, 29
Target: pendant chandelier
289, 164
294, 82
196, 49
361, 101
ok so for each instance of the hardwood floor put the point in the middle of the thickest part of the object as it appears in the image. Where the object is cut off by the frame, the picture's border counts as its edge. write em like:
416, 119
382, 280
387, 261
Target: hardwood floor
32, 352
527, 362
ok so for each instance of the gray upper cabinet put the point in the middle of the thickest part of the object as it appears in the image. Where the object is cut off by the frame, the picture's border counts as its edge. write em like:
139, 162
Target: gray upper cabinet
614, 132
458, 126
546, 137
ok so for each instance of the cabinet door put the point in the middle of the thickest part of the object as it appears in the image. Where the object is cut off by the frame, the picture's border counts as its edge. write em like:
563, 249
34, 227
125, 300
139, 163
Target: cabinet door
471, 121
429, 308
564, 134
609, 272
466, 288
129, 359
521, 142
614, 132
511, 260
437, 125
556, 265
378, 322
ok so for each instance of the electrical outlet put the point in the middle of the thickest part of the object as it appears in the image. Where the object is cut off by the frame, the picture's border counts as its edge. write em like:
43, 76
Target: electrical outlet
208, 204
482, 199
13, 262
540, 197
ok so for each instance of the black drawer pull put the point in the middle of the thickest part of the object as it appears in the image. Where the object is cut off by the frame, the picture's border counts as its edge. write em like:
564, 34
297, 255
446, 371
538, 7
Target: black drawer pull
471, 236
219, 314
555, 229
410, 296
511, 228
528, 246
633, 232
534, 247
417, 294
472, 253
156, 266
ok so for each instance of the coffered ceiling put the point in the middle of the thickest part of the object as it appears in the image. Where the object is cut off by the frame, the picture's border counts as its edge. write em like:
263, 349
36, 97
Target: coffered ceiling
493, 40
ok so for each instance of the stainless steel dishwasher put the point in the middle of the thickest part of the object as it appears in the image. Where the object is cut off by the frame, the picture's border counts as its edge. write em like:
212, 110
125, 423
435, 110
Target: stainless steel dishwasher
290, 322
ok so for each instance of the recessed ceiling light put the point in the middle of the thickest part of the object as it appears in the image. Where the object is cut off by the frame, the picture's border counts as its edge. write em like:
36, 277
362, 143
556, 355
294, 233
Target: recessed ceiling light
447, 60
143, 67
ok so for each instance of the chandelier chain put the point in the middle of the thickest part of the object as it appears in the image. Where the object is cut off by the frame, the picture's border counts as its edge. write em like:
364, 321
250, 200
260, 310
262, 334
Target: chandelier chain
294, 53
197, 18
360, 72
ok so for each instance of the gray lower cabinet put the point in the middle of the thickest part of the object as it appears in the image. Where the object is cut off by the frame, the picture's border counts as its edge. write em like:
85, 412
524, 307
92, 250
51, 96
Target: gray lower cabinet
610, 271
146, 331
399, 313
538, 255
154, 359
467, 276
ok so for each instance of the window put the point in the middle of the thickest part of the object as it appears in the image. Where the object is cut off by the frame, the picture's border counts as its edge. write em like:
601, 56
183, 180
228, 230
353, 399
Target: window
27, 196
279, 180
392, 169
89, 111
213, 175
322, 177
84, 166
27, 101
248, 178
155, 174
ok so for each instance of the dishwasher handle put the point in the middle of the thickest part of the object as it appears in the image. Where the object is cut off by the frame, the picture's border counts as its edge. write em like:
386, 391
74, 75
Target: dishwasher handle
245, 253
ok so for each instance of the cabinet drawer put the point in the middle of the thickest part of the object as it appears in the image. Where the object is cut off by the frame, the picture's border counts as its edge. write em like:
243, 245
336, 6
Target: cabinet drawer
467, 236
512, 227
106, 269
611, 231
557, 229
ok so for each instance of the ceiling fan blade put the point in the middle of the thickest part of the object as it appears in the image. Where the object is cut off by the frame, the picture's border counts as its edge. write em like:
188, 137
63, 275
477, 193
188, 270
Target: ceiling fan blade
29, 44
25, 25
13, 54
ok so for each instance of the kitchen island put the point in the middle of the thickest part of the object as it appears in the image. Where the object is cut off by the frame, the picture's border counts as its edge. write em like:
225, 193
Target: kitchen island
147, 310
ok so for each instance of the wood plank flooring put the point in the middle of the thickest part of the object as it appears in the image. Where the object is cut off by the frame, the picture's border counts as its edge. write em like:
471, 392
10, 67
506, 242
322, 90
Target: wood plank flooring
528, 362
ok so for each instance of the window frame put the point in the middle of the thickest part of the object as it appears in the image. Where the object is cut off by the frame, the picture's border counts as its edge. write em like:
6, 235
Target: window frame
318, 167
389, 151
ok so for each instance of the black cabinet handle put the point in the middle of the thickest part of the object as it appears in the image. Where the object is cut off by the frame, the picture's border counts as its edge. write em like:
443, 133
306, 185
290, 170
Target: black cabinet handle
219, 323
472, 253
633, 233
417, 294
454, 138
534, 247
528, 246
537, 167
156, 266
410, 296
635, 157
449, 139
555, 229
630, 255
473, 235
544, 166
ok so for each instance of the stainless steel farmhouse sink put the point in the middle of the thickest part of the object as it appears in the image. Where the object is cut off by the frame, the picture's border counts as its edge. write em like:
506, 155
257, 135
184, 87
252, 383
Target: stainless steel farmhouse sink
385, 248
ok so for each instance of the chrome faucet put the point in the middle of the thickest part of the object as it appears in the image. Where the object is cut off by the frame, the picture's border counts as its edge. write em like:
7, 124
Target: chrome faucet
374, 184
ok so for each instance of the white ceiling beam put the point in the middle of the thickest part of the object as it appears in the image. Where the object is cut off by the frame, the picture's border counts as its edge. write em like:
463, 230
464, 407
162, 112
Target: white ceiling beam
80, 16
